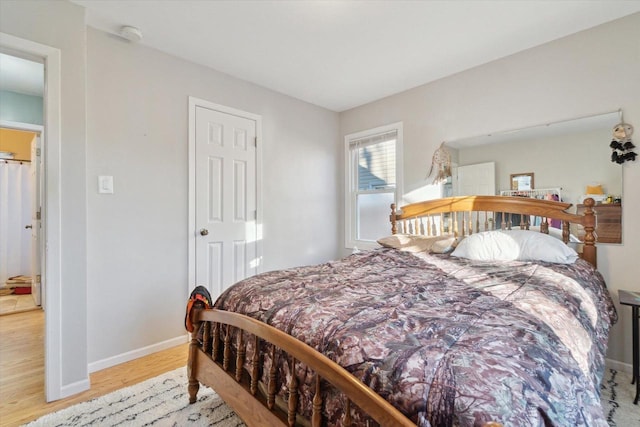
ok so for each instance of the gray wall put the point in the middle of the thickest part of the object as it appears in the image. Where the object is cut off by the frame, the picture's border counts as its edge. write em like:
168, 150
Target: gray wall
124, 257
137, 237
61, 24
572, 77
18, 107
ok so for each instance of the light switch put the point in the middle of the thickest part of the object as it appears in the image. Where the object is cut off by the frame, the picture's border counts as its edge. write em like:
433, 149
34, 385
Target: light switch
105, 184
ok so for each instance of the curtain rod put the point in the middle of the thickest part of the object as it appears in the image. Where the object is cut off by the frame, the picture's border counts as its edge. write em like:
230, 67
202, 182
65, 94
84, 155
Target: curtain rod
15, 160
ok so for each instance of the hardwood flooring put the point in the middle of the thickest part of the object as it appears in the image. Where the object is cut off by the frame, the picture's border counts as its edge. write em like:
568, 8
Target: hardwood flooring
10, 304
22, 370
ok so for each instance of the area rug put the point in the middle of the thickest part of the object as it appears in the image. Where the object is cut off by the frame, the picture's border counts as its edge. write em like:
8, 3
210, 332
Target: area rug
163, 401
616, 396
160, 401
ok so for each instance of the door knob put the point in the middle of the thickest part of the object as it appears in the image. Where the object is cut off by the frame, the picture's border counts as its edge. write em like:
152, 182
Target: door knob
28, 226
204, 231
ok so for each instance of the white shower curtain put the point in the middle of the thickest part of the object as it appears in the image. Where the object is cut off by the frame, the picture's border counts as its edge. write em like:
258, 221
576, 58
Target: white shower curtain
15, 214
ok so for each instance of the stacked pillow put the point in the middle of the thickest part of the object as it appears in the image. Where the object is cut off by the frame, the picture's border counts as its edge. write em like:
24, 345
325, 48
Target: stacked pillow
515, 245
413, 243
496, 245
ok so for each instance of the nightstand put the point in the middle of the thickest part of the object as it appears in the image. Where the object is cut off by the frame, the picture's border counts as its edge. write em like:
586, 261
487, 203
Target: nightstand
633, 299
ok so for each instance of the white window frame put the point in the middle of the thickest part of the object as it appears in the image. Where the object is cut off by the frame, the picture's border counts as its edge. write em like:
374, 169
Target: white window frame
351, 225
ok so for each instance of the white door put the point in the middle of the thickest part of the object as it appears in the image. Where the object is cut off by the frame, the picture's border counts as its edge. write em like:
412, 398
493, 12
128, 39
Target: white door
479, 179
225, 199
35, 183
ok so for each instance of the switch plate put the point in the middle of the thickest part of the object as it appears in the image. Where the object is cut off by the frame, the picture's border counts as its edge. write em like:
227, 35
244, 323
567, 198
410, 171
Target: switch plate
105, 184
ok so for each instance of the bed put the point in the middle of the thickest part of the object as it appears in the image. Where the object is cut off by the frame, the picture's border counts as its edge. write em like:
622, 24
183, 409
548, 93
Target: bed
399, 337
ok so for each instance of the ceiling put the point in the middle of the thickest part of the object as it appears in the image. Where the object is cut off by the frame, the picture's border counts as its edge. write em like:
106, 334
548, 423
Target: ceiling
341, 54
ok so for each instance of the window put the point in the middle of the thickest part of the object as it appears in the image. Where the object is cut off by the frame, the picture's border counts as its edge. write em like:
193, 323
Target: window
373, 181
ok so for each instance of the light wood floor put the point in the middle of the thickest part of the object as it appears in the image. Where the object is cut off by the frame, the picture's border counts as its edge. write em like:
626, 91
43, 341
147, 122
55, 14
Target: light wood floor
22, 370
10, 304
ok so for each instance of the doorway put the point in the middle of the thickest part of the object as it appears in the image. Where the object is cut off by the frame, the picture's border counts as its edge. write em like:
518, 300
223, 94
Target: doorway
21, 130
475, 179
20, 207
51, 213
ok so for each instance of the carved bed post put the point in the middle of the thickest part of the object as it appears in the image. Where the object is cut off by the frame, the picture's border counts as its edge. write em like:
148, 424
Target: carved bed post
255, 366
194, 384
392, 218
565, 231
316, 418
589, 250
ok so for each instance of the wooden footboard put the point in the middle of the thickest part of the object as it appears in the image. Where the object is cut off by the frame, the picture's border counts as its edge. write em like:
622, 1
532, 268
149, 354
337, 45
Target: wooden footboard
211, 363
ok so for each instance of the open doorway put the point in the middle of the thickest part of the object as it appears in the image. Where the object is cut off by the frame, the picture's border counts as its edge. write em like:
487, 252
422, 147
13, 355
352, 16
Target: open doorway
51, 214
21, 132
22, 119
20, 207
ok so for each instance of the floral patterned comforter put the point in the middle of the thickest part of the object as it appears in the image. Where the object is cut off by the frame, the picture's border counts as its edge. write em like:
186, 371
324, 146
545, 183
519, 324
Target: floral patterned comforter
446, 340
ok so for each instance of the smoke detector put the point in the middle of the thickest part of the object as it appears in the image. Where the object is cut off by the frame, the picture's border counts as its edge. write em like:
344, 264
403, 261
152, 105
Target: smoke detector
130, 33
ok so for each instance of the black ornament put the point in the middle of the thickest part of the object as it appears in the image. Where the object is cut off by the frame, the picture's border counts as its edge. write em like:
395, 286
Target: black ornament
621, 144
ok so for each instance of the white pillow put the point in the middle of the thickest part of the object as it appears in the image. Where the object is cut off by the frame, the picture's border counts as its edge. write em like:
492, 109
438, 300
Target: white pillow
515, 245
414, 243
557, 233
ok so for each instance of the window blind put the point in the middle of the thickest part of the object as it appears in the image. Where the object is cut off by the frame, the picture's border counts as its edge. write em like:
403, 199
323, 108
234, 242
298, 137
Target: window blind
376, 159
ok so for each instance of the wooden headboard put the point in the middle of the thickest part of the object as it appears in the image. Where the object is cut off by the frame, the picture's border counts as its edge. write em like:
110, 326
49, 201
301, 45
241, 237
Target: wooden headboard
466, 215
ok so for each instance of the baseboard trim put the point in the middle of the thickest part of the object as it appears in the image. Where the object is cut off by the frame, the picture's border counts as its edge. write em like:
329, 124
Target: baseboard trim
619, 366
135, 354
74, 388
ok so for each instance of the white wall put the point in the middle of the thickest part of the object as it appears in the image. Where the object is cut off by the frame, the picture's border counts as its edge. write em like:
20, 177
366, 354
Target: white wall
137, 238
590, 72
61, 25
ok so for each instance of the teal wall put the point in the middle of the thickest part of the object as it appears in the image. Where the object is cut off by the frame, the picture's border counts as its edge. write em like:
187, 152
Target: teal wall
17, 107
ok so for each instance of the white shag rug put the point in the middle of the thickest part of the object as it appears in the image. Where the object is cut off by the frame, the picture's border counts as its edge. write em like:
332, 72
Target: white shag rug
616, 396
163, 401
160, 401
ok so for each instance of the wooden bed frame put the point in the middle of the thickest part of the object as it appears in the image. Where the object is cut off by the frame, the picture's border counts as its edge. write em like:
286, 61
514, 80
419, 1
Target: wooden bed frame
466, 215
214, 362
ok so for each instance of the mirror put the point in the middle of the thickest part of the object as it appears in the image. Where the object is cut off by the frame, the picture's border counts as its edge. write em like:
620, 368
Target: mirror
570, 160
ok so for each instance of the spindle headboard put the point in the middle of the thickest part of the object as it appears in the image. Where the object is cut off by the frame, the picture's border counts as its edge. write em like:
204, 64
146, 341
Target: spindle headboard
465, 215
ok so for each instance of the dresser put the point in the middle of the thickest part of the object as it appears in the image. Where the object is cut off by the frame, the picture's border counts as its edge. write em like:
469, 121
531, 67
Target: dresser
608, 222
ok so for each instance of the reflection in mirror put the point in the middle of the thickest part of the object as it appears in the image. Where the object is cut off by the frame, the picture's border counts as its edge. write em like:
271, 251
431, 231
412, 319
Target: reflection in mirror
571, 160
522, 181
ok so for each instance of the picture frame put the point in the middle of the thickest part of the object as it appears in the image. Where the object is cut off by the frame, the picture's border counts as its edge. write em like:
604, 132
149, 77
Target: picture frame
522, 181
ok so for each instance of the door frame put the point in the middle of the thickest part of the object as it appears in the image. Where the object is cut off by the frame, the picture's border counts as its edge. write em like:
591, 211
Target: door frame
51, 206
191, 231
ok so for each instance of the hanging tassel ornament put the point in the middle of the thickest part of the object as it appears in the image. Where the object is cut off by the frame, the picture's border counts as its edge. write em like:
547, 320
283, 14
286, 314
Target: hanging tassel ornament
441, 162
621, 143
